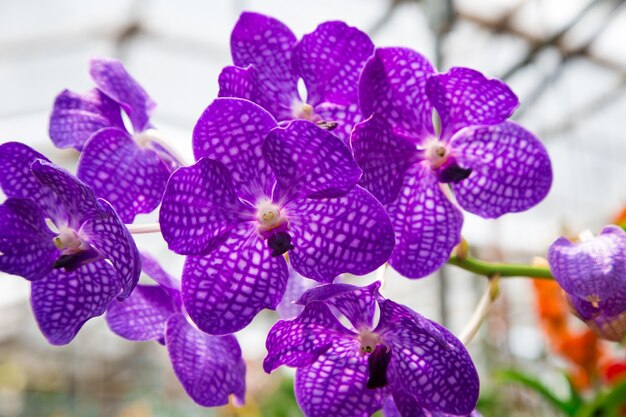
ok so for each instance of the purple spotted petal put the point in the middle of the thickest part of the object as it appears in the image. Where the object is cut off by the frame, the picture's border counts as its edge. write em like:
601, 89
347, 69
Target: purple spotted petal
200, 208
130, 177
383, 156
594, 269
151, 267
76, 117
232, 131
113, 80
266, 44
17, 180
334, 385
465, 97
390, 409
358, 304
511, 170
296, 286
426, 223
429, 363
239, 82
310, 162
107, 234
26, 243
329, 60
403, 404
210, 368
63, 301
300, 341
393, 85
350, 234
141, 316
223, 291
73, 200
346, 117
583, 308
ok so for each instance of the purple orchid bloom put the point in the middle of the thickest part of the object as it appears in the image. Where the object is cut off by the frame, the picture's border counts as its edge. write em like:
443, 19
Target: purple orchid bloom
269, 62
210, 368
352, 371
257, 192
593, 274
128, 169
493, 166
71, 245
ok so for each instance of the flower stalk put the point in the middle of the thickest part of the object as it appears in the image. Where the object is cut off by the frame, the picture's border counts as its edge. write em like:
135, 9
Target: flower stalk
137, 229
480, 313
490, 269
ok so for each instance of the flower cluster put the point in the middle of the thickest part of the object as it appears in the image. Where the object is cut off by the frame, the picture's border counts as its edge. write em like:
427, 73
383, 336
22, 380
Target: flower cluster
356, 174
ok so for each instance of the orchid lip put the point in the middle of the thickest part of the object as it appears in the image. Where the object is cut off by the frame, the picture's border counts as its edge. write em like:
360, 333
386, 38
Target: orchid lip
378, 362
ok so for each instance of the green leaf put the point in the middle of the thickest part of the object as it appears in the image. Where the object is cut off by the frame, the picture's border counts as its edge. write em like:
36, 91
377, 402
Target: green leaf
568, 406
607, 404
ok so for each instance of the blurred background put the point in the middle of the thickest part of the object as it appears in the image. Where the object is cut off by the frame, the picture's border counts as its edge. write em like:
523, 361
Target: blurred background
566, 60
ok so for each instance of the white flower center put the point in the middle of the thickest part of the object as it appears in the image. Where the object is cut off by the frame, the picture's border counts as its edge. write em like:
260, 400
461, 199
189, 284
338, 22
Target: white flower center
368, 340
436, 153
69, 241
269, 217
304, 111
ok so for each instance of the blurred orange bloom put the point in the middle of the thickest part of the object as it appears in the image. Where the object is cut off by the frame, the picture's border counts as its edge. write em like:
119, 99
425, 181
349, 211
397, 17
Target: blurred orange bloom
581, 348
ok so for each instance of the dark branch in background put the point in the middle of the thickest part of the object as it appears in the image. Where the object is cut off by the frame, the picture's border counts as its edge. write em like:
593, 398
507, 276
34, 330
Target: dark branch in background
497, 27
566, 56
593, 107
131, 30
384, 19
441, 18
553, 40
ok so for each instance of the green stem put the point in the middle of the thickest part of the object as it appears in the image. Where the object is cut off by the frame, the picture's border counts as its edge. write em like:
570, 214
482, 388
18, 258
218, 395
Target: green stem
504, 270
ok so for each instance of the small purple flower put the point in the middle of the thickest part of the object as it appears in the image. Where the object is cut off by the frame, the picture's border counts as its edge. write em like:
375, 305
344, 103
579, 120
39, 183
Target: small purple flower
210, 368
128, 169
352, 371
493, 166
257, 192
269, 61
73, 247
593, 274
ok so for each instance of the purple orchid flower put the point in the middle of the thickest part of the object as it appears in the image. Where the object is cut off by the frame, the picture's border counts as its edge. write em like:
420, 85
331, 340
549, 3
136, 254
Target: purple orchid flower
593, 274
73, 247
493, 166
128, 169
352, 371
257, 192
210, 368
269, 61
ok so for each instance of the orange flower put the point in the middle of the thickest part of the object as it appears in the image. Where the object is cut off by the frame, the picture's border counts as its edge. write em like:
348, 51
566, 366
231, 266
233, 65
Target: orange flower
581, 349
620, 219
